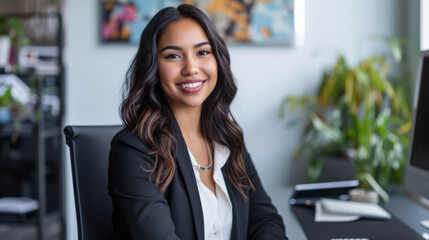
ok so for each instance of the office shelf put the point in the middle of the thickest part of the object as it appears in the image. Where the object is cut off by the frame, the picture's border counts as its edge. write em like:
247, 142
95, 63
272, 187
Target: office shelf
31, 157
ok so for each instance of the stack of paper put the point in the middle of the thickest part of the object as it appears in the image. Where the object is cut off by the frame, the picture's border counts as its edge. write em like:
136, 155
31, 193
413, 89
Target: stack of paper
333, 210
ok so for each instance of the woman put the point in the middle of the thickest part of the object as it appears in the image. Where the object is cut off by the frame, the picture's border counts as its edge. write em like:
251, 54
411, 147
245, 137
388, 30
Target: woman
179, 169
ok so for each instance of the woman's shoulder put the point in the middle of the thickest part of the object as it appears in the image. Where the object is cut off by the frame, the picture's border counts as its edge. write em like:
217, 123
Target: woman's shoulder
128, 153
127, 140
250, 167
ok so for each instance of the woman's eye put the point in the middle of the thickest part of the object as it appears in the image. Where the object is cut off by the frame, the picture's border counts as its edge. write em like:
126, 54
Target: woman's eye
172, 56
203, 52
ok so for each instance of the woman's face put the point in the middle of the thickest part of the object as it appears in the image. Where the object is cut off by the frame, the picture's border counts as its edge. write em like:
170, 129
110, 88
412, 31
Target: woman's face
187, 68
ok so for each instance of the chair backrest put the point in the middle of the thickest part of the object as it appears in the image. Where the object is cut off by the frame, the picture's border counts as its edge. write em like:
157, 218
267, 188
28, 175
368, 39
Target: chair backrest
89, 151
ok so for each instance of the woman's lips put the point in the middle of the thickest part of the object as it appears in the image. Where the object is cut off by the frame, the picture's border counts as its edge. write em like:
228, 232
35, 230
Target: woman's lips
191, 86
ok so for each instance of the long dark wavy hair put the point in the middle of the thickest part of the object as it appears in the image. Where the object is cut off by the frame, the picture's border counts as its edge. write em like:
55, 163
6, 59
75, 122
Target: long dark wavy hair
145, 111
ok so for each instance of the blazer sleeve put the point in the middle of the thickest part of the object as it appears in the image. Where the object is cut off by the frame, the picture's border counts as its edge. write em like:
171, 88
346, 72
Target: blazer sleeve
138, 203
264, 221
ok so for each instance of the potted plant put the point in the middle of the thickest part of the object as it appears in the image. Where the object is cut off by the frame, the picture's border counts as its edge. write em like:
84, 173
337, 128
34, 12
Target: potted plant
12, 33
11, 111
5, 100
360, 114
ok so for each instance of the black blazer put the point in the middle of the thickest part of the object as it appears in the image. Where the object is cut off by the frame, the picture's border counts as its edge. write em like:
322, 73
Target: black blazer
141, 211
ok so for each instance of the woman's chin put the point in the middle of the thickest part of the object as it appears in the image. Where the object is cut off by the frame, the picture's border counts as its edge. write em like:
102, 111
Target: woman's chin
187, 103
194, 104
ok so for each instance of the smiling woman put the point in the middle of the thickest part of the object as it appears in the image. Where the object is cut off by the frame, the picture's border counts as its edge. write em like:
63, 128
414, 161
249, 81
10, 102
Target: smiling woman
179, 169
187, 68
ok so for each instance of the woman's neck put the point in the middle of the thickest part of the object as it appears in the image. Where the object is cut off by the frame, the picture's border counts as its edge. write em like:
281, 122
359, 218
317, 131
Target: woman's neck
189, 122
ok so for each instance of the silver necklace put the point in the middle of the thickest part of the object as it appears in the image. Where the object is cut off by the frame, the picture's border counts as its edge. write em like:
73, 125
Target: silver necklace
211, 160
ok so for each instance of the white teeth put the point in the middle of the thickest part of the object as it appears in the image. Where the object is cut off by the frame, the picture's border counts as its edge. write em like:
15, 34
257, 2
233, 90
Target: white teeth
191, 85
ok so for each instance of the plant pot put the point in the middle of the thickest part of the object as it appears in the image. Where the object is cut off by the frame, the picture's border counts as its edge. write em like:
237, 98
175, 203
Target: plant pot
336, 169
4, 50
360, 195
4, 114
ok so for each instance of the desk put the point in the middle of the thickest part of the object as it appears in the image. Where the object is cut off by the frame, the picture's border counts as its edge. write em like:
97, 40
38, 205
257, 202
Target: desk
402, 207
280, 198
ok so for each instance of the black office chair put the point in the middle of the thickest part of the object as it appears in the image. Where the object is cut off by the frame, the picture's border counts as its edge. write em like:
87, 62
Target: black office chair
89, 151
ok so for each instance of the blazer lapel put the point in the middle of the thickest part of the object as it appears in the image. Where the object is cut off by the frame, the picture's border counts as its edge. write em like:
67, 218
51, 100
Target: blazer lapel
239, 217
185, 167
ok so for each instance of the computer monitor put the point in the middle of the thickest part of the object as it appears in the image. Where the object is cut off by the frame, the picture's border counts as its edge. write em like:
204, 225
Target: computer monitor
417, 172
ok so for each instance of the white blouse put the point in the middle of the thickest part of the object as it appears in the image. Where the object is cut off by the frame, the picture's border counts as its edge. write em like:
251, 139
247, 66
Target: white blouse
217, 209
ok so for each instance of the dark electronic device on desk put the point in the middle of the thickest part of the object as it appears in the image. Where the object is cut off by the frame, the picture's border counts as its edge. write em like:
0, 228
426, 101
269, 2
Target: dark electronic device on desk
417, 173
308, 194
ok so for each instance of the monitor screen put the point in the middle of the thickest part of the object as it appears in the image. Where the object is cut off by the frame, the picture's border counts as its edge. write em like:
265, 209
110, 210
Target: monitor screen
417, 173
420, 148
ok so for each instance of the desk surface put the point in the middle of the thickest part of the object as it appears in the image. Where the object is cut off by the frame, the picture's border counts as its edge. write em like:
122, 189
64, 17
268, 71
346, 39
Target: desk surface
402, 207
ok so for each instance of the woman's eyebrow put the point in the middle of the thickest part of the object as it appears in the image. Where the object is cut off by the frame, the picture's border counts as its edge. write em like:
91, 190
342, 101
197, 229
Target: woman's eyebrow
171, 47
201, 44
179, 48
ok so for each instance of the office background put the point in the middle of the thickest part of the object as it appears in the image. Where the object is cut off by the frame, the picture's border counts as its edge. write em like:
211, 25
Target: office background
95, 72
264, 74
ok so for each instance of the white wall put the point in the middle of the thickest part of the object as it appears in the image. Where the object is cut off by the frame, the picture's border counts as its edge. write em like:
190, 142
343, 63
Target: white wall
424, 25
264, 75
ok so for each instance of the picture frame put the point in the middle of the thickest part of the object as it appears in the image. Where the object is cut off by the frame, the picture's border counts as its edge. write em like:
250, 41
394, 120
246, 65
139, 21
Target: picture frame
264, 22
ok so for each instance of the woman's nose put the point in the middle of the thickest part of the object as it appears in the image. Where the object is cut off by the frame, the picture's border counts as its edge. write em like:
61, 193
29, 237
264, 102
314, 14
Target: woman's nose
190, 67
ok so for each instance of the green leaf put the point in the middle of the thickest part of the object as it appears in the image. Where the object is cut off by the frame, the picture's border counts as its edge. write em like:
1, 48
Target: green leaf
376, 80
6, 97
331, 134
396, 50
293, 102
326, 92
296, 152
379, 156
374, 185
349, 87
314, 169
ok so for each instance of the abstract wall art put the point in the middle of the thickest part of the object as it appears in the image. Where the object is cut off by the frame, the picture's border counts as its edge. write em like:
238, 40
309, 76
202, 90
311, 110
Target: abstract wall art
260, 22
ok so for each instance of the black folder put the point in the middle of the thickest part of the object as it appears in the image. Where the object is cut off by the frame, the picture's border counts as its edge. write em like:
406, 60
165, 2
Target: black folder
308, 194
